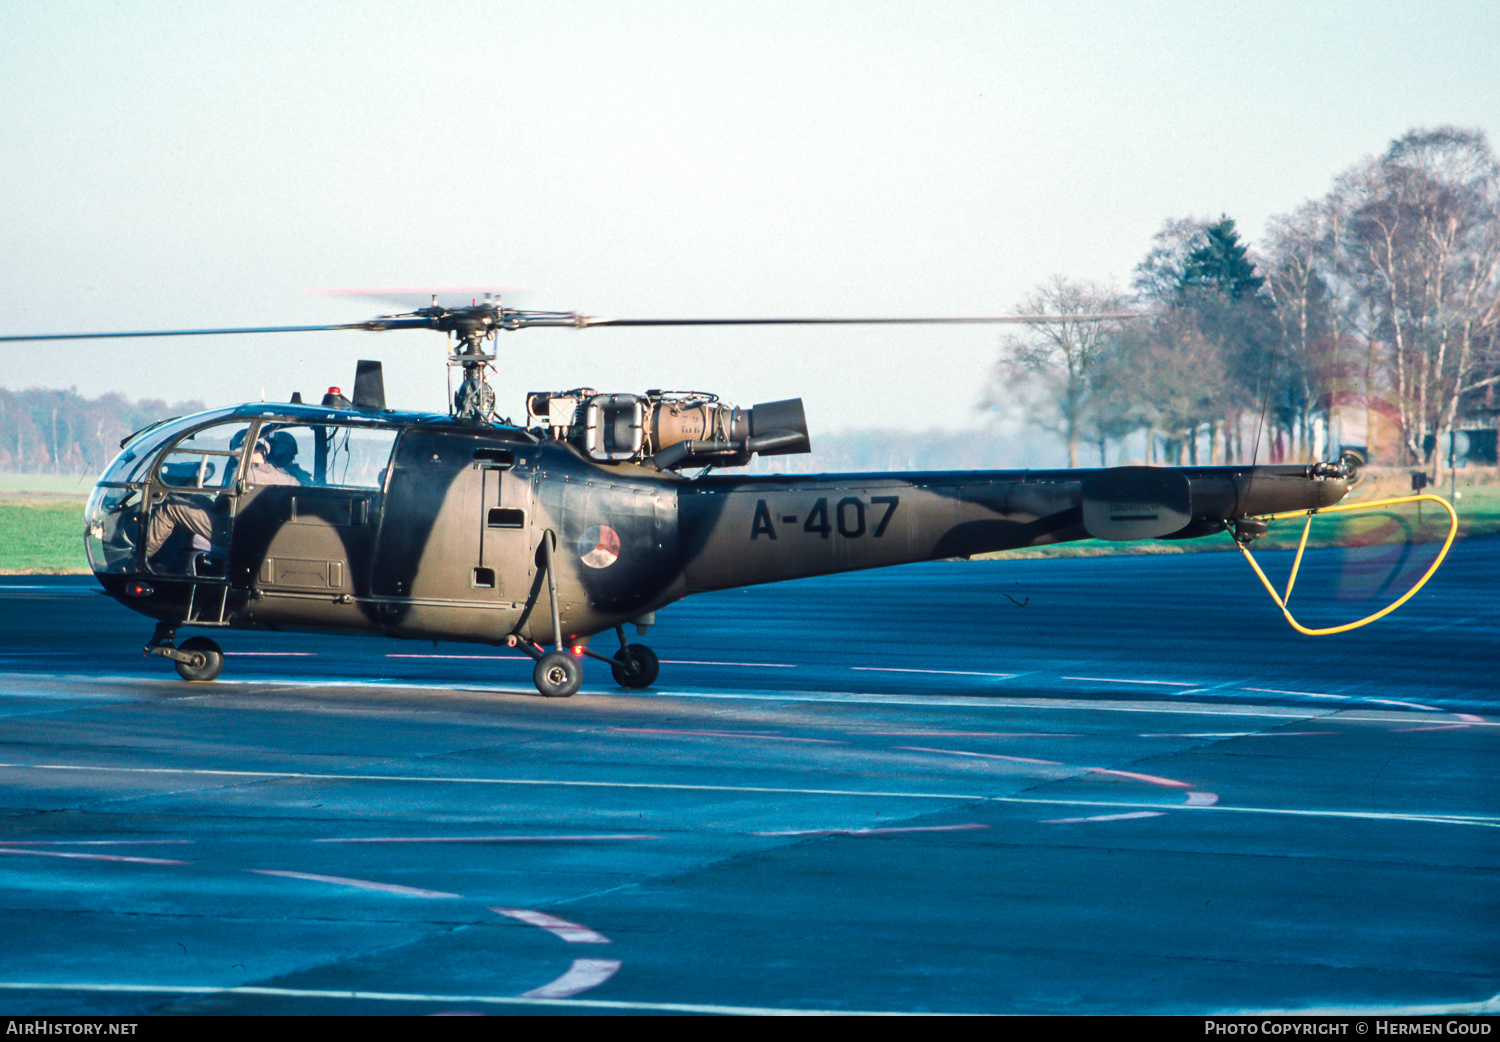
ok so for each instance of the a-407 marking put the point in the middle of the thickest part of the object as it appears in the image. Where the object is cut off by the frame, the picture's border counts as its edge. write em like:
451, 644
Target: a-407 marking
849, 517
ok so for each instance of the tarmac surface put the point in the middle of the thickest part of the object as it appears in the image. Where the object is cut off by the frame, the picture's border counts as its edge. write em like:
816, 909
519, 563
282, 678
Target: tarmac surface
1107, 785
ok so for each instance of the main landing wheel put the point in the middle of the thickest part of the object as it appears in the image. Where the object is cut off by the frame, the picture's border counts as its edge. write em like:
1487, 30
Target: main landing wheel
635, 666
205, 662
558, 674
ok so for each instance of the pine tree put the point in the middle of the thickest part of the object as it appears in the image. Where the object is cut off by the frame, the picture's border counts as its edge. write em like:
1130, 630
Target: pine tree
1221, 263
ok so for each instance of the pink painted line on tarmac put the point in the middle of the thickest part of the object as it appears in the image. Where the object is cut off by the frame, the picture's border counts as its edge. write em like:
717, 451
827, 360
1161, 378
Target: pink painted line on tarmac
270, 654
1470, 717
1434, 727
358, 884
1152, 778
982, 756
90, 857
1201, 799
873, 832
604, 838
581, 976
725, 734
1106, 817
573, 933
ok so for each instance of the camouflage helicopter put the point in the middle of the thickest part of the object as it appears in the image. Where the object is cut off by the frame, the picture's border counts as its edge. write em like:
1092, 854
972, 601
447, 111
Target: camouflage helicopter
349, 516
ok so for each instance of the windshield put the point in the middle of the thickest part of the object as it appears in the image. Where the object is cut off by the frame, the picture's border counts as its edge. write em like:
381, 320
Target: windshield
129, 465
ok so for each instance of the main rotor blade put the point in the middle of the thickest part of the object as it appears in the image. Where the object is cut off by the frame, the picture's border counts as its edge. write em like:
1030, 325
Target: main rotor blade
505, 318
1107, 316
375, 324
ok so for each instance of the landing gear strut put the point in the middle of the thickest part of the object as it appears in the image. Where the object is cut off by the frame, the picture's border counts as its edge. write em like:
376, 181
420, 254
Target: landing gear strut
558, 672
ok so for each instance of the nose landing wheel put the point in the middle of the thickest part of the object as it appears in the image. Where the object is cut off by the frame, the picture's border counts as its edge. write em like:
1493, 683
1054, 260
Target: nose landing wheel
202, 659
558, 674
198, 658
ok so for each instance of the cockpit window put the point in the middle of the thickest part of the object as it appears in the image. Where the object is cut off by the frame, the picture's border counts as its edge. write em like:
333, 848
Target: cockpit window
329, 455
207, 458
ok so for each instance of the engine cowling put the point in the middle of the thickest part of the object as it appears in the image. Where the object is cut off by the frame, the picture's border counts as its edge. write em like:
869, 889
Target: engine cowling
669, 429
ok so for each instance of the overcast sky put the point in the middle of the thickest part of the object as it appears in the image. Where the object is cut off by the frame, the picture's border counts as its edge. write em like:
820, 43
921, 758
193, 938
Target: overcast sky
182, 165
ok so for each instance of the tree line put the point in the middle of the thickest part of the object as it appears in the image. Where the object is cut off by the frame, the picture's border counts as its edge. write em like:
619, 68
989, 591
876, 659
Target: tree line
1370, 315
60, 432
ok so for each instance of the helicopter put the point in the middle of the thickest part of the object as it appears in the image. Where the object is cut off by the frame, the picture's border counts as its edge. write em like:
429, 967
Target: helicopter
603, 509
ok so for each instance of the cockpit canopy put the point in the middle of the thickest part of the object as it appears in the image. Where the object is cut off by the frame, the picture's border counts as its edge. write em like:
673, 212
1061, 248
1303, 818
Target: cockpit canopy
202, 458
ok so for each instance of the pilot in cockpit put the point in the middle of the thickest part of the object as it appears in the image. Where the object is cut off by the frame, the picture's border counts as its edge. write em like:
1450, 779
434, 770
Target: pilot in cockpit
204, 516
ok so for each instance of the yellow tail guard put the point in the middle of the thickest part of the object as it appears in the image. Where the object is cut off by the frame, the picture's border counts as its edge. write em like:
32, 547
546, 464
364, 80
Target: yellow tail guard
1282, 599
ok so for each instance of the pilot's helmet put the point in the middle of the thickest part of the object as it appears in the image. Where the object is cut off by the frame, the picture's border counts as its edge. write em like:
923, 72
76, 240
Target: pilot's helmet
283, 449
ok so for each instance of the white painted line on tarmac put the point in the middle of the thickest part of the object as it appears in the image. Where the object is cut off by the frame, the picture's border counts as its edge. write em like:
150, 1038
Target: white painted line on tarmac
542, 782
483, 658
488, 1000
1404, 705
573, 933
984, 756
1481, 820
1201, 799
873, 831
936, 672
829, 697
90, 857
1433, 727
1488, 821
358, 884
581, 976
754, 735
1118, 680
758, 665
1132, 775
1106, 817
973, 734
1304, 694
100, 842
1234, 734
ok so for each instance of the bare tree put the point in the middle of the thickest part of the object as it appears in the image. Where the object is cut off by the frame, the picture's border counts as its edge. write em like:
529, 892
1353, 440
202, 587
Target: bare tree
1204, 288
1313, 361
1159, 277
1421, 249
1064, 358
